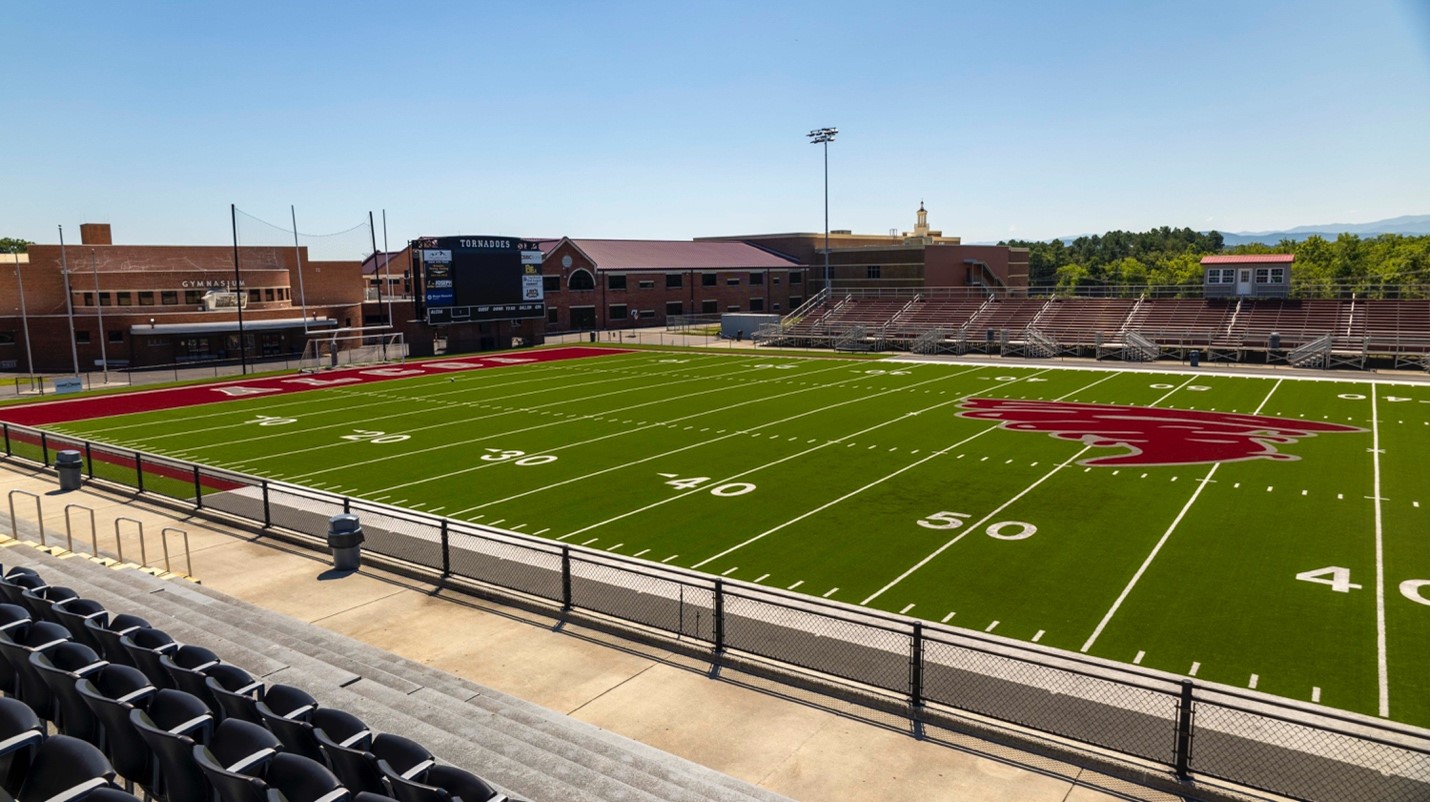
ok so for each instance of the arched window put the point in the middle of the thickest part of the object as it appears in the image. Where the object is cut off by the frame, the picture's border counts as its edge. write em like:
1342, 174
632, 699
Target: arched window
581, 280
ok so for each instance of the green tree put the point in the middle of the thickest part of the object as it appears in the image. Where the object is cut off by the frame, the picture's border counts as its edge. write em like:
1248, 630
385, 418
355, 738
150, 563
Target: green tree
14, 245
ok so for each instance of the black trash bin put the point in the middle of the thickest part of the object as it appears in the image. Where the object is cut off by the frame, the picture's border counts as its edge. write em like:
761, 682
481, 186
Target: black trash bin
69, 464
1195, 358
345, 539
1273, 342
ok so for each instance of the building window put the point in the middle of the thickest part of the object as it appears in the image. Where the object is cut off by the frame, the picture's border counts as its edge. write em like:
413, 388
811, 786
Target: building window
757, 304
252, 296
553, 316
776, 307
616, 281
672, 280
81, 337
794, 301
733, 281
104, 299
709, 307
874, 271
617, 312
776, 280
551, 283
169, 297
146, 298
7, 337
88, 299
732, 308
646, 284
581, 280
116, 335
1278, 275
796, 278
197, 296
708, 280
268, 294
674, 308
757, 278
124, 299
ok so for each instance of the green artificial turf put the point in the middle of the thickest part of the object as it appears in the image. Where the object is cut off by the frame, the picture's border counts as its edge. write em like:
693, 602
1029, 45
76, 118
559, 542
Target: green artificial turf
814, 475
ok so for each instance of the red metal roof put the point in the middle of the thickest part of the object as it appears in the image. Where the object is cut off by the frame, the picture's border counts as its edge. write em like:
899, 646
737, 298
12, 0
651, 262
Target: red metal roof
625, 254
1250, 259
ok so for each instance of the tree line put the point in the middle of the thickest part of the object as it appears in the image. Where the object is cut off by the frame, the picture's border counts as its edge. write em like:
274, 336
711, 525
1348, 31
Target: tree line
1167, 261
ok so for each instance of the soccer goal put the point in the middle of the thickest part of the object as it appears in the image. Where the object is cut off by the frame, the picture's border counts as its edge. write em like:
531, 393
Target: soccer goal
328, 350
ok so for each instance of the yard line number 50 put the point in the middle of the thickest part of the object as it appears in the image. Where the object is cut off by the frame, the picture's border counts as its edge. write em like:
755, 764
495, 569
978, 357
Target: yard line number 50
1002, 530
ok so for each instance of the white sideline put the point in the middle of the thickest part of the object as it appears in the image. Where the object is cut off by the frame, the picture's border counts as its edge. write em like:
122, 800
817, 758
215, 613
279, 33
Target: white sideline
1383, 678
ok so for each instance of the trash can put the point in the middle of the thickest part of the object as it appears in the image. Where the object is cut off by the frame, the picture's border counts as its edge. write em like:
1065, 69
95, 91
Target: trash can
68, 464
1273, 342
1195, 358
345, 539
593, 336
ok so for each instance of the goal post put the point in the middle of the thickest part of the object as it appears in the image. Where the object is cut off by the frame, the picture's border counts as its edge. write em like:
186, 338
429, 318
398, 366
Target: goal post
329, 350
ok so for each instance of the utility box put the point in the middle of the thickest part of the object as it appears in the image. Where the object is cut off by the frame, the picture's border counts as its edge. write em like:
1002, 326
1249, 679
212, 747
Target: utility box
743, 326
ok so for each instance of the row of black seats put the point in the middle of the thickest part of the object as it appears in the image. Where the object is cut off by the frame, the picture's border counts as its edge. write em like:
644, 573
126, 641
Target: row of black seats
131, 704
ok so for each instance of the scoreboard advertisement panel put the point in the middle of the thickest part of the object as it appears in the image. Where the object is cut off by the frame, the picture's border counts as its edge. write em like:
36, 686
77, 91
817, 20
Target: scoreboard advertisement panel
478, 278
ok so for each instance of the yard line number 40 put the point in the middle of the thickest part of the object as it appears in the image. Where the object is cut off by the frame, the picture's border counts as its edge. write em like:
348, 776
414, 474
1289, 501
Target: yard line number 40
1339, 580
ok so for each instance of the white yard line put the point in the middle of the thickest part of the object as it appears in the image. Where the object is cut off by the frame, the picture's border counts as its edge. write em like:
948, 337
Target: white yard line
1201, 485
657, 425
741, 474
1383, 676
981, 521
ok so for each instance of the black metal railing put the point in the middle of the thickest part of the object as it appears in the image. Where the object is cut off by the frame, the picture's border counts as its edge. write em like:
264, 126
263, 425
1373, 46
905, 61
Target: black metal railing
1193, 730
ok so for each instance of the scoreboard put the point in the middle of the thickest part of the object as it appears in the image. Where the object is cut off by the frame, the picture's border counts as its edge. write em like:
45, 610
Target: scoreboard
480, 278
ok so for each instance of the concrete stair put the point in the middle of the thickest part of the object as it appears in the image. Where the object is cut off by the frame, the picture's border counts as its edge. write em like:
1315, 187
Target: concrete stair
531, 752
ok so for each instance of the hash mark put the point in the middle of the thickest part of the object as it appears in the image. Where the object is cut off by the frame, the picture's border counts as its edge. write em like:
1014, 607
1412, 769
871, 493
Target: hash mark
612, 548
797, 584
589, 542
945, 618
990, 627
1254, 680
671, 557
1315, 694
763, 578
639, 553
830, 593
1038, 636
548, 529
906, 610
1195, 668
1137, 661
731, 571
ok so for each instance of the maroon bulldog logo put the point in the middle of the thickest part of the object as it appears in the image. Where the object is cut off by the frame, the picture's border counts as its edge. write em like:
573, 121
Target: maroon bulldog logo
1152, 436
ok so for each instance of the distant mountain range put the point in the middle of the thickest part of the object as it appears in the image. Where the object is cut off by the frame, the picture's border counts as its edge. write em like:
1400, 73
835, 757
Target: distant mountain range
1406, 224
1412, 224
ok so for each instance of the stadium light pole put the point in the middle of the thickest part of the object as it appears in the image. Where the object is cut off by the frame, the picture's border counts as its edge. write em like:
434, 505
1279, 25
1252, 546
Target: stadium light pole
823, 136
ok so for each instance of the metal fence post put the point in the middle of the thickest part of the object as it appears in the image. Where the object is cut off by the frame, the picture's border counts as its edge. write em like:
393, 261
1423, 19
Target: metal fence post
719, 617
267, 516
446, 550
565, 578
348, 507
89, 458
198, 489
44, 450
916, 667
138, 472
1183, 753
6, 428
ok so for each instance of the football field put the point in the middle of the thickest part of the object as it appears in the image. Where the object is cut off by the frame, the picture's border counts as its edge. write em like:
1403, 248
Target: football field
1261, 532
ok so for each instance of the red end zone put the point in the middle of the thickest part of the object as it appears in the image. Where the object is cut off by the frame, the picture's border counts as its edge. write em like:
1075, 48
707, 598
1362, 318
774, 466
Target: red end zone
175, 397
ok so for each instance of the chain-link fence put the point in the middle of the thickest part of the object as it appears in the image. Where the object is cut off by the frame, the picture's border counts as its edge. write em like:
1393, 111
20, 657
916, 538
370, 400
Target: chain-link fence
1194, 731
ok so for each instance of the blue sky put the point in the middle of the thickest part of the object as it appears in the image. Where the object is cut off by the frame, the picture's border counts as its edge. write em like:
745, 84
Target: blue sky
676, 120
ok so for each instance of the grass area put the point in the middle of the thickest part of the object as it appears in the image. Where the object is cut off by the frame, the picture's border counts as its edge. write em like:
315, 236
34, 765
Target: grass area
862, 482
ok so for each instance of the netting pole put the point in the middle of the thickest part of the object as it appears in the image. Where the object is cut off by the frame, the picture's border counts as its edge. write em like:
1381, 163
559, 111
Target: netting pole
138, 472
719, 618
6, 428
89, 458
44, 450
267, 516
242, 293
1184, 732
298, 257
198, 489
916, 668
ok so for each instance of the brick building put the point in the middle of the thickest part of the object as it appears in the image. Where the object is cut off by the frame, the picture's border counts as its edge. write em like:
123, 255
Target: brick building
168, 304
608, 284
919, 258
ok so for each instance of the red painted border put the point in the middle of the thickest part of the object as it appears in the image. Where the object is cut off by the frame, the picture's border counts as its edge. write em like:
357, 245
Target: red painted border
175, 397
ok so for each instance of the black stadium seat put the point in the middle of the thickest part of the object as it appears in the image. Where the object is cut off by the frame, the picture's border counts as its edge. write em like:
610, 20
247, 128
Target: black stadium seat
108, 630
21, 733
73, 613
236, 692
64, 770
286, 711
60, 668
16, 646
111, 694
145, 645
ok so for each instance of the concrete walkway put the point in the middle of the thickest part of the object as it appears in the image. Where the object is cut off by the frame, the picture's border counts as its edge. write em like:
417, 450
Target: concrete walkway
799, 745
